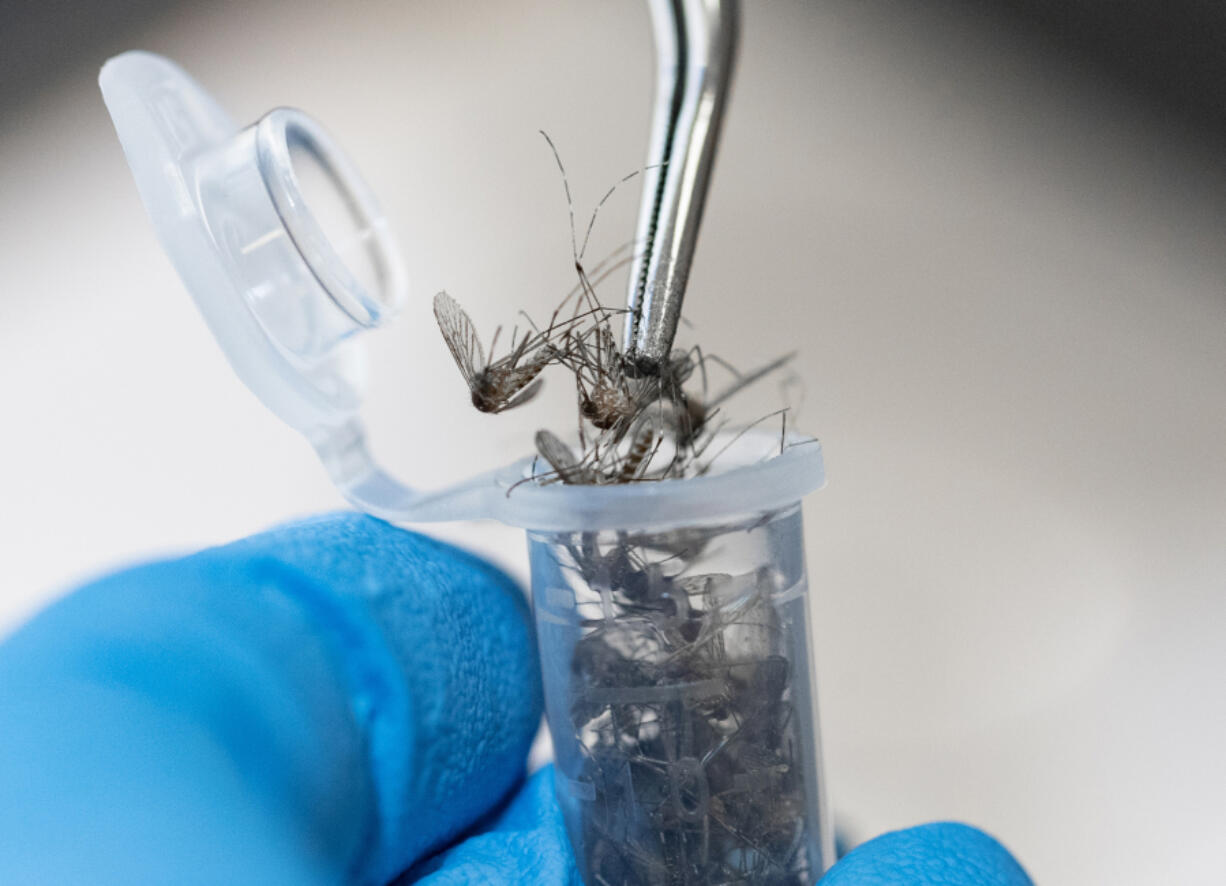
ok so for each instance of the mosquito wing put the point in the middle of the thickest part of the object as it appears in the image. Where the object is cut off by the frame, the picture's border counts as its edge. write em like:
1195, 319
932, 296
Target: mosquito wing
522, 394
513, 384
461, 337
560, 456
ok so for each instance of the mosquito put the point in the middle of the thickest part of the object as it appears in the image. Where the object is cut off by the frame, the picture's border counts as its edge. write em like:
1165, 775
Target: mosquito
606, 399
502, 384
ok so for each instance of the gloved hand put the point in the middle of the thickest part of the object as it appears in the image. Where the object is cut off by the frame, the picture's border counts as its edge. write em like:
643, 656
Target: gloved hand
336, 701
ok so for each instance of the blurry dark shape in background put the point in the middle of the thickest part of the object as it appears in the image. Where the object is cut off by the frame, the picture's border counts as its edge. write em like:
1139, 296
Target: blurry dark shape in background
1170, 54
46, 42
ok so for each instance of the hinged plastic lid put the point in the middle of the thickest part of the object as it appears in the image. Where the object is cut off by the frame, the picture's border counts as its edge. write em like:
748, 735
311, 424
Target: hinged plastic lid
243, 214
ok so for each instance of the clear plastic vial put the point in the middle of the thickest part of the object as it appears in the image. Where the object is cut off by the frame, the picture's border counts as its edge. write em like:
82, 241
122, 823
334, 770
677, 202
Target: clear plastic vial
679, 693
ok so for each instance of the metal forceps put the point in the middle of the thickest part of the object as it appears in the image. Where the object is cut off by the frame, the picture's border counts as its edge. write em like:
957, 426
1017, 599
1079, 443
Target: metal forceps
696, 47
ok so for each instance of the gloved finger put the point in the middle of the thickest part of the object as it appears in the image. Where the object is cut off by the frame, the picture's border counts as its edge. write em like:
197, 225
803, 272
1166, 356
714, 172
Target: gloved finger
324, 703
525, 842
941, 854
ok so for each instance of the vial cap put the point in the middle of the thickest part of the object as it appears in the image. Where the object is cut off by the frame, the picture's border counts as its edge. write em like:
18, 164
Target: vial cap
277, 238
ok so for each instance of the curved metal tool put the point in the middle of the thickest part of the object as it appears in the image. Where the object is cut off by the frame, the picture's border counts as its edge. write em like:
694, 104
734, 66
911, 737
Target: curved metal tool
696, 48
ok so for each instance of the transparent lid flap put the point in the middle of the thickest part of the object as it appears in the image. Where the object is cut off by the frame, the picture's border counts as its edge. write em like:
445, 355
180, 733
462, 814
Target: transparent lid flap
274, 233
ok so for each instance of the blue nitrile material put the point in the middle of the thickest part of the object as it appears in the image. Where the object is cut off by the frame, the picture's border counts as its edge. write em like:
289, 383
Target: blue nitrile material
323, 703
940, 854
524, 842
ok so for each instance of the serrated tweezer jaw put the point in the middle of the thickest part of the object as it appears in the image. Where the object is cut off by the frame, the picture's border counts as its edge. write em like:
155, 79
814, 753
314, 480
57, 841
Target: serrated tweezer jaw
696, 44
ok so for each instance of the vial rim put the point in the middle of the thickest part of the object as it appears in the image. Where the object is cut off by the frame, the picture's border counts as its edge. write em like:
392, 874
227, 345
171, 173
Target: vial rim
751, 482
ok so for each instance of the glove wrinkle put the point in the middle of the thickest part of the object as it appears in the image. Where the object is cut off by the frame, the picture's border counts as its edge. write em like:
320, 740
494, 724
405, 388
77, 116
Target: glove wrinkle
524, 842
463, 652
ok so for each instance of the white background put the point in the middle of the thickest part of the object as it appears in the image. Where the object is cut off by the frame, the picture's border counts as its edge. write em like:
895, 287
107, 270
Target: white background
1007, 286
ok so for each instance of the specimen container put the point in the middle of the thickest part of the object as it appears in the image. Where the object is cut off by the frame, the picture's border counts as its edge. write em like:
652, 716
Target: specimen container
676, 653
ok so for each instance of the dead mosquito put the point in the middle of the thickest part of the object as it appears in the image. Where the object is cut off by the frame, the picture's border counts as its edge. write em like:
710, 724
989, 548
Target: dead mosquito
606, 397
509, 381
624, 421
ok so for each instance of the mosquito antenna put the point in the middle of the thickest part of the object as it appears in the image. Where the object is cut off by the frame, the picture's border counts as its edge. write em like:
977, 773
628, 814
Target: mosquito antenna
570, 203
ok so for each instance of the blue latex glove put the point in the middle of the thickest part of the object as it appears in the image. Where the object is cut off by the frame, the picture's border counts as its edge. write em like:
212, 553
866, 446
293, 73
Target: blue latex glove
332, 702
